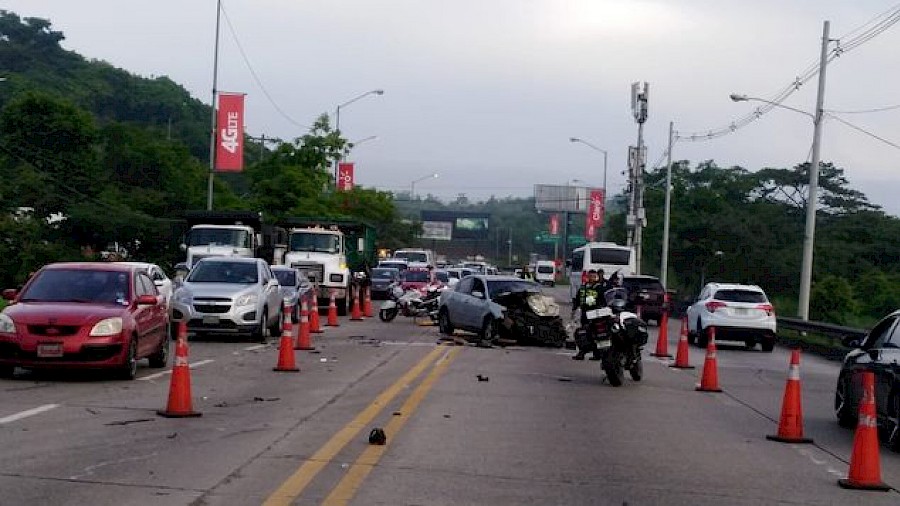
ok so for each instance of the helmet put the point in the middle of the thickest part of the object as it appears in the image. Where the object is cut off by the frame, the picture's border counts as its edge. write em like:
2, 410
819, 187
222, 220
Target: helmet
617, 305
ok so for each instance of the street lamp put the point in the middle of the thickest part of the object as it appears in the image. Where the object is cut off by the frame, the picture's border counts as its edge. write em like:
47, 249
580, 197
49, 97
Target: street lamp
412, 185
365, 139
811, 201
605, 155
337, 122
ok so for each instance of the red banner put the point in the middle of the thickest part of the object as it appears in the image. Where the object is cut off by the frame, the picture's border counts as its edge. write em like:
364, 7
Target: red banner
595, 214
230, 133
345, 176
554, 224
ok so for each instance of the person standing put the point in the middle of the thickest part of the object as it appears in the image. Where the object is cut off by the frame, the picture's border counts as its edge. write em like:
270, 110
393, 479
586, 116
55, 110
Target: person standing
588, 297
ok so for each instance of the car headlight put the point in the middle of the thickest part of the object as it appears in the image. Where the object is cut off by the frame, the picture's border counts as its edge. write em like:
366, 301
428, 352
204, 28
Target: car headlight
6, 325
184, 297
107, 327
248, 299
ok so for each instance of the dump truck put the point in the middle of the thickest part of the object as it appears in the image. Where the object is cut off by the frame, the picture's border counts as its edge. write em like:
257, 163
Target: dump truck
232, 234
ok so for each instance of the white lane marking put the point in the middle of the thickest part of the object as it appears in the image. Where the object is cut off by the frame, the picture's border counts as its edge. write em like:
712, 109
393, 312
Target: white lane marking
163, 373
28, 412
256, 347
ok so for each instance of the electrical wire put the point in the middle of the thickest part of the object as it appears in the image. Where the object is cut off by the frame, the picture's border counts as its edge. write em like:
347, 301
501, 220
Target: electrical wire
877, 25
865, 111
862, 130
256, 77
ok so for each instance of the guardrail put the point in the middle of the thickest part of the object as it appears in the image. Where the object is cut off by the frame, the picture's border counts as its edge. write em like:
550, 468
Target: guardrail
826, 329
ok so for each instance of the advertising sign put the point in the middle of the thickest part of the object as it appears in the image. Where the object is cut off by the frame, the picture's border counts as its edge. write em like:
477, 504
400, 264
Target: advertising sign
345, 176
438, 230
230, 133
595, 214
465, 225
554, 224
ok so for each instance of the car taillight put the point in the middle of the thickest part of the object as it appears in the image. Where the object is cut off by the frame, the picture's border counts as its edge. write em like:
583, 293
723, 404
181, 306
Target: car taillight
768, 308
711, 306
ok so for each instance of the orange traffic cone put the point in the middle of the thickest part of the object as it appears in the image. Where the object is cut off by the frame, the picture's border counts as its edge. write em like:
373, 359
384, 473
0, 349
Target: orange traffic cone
682, 356
303, 342
286, 359
709, 382
865, 461
790, 428
662, 339
355, 313
332, 312
367, 304
314, 327
180, 404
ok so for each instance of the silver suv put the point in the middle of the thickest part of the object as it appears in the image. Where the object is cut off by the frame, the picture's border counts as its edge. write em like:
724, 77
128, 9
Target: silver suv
230, 295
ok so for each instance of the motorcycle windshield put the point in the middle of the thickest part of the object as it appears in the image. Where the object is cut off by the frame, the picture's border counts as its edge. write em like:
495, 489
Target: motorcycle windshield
615, 293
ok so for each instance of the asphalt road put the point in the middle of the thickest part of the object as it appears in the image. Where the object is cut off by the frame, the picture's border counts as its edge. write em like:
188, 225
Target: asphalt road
538, 429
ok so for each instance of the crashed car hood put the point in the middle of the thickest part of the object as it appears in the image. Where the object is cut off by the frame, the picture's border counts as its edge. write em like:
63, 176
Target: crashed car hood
542, 305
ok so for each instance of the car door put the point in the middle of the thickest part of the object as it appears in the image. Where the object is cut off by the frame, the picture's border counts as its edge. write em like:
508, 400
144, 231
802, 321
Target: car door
884, 355
162, 283
870, 359
144, 315
694, 311
458, 305
271, 290
478, 307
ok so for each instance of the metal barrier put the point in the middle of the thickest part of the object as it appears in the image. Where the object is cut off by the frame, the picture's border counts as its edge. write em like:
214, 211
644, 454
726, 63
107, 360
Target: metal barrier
826, 329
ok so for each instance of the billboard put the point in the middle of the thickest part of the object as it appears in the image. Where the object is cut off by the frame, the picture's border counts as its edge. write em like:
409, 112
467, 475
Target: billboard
464, 224
438, 230
561, 198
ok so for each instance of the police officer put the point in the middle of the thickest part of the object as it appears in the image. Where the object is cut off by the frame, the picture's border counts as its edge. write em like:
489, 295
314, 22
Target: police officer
589, 296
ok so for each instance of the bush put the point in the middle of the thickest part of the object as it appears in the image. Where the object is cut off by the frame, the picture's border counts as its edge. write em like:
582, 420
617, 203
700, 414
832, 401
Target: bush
832, 300
878, 294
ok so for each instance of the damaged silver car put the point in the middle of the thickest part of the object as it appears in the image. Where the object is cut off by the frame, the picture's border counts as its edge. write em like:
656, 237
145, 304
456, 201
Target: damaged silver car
501, 309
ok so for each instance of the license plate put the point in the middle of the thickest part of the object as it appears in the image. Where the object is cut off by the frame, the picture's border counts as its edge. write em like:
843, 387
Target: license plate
211, 320
604, 344
597, 313
50, 350
740, 311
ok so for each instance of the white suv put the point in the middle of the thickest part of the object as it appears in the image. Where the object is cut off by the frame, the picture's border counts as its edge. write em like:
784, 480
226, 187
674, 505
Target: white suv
738, 312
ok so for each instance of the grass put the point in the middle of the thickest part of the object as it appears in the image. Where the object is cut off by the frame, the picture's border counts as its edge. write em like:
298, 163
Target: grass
2, 304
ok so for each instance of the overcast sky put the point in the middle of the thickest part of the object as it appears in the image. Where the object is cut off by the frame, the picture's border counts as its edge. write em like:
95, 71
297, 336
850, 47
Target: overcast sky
486, 93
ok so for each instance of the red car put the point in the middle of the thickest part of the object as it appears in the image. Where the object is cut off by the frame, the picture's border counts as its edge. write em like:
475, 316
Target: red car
86, 315
415, 279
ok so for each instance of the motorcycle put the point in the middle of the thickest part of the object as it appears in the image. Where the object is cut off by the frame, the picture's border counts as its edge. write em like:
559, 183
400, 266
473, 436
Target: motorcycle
619, 337
409, 303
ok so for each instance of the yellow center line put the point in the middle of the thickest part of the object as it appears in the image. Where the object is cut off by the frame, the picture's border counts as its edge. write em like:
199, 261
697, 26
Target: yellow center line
297, 482
344, 491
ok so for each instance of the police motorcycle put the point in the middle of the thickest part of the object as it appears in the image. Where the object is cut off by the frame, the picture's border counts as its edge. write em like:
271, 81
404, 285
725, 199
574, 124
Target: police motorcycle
619, 337
410, 303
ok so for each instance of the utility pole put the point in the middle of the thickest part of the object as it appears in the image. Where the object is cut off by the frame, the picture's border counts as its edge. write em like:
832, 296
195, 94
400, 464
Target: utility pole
510, 246
664, 267
812, 200
640, 93
212, 121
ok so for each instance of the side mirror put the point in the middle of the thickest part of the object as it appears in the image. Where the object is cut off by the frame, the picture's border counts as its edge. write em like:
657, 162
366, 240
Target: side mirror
477, 294
10, 294
851, 342
158, 282
147, 300
182, 246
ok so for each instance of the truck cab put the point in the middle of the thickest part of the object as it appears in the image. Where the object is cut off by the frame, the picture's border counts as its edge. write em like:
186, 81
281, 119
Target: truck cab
222, 233
321, 253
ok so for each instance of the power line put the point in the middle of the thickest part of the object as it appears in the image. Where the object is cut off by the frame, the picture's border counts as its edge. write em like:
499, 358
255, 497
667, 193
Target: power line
256, 77
870, 134
865, 111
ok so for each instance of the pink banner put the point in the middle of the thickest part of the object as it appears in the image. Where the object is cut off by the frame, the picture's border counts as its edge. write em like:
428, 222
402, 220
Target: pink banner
595, 214
554, 224
230, 133
345, 176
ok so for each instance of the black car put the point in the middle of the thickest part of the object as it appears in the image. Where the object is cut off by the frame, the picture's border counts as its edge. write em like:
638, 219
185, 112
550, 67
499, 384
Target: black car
646, 292
878, 352
382, 279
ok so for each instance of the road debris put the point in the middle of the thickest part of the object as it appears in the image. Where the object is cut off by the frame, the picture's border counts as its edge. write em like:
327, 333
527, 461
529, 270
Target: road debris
129, 422
377, 437
482, 378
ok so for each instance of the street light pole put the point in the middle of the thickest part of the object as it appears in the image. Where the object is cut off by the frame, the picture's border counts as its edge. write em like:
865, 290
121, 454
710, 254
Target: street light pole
605, 155
510, 247
212, 120
664, 267
337, 122
412, 185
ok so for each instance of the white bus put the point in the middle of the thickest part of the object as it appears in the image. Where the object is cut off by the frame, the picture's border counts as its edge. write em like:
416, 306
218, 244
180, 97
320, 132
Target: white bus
608, 256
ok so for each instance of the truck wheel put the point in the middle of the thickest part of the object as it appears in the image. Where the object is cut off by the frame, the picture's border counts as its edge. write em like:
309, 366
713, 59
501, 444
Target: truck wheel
342, 306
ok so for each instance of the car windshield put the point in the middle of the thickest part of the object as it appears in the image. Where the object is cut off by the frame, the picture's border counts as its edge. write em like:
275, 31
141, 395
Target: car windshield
412, 256
78, 285
416, 277
400, 266
224, 272
219, 236
643, 284
738, 295
286, 278
502, 287
545, 269
610, 256
443, 277
384, 273
322, 243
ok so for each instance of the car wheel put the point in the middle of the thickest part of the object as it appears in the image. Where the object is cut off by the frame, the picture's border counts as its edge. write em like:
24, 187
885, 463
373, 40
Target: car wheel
128, 370
259, 333
444, 324
843, 406
750, 344
691, 336
277, 326
161, 357
893, 424
6, 371
702, 335
768, 343
488, 333
342, 306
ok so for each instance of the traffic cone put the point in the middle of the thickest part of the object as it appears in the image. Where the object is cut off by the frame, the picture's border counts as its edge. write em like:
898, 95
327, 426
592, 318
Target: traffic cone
662, 339
355, 313
367, 305
709, 382
865, 461
286, 359
303, 342
314, 327
180, 404
332, 311
790, 428
682, 356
